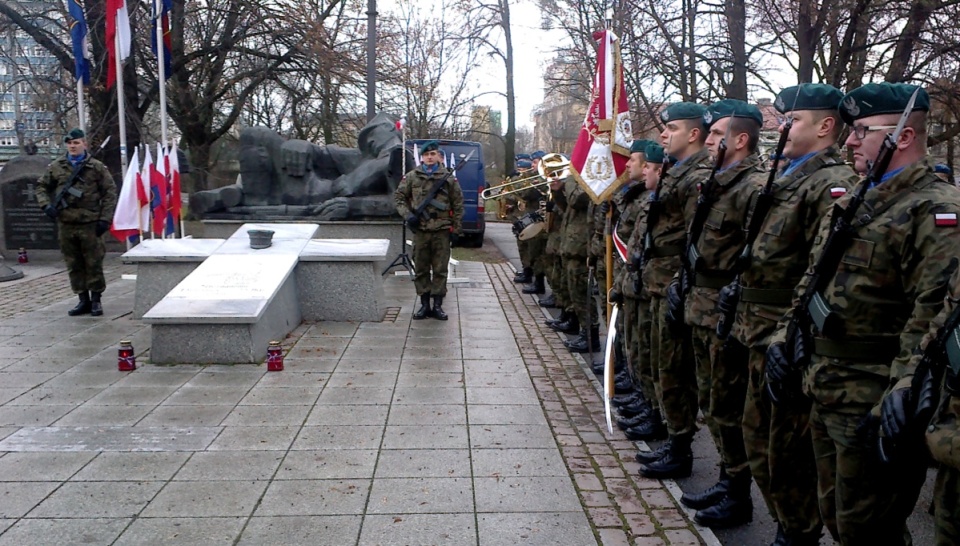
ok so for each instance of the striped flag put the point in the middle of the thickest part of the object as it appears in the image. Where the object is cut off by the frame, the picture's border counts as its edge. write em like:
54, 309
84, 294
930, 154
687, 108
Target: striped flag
118, 34
126, 217
166, 6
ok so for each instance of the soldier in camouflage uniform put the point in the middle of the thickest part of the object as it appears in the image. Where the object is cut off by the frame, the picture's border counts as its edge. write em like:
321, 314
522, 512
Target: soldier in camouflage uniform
82, 218
573, 249
644, 167
532, 198
683, 136
889, 285
432, 230
556, 208
942, 435
524, 170
722, 366
778, 438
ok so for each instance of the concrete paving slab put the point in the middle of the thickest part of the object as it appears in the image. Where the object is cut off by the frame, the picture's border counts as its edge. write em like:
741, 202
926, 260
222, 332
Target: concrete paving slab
277, 438
97, 500
493, 463
424, 463
420, 496
18, 498
188, 395
301, 530
368, 365
511, 436
428, 415
314, 497
260, 416
419, 365
132, 466
506, 414
186, 416
516, 380
567, 528
429, 379
64, 531
91, 415
428, 395
206, 499
230, 466
325, 464
346, 415
123, 396
421, 529
525, 494
182, 531
338, 437
362, 379
425, 437
110, 439
502, 395
356, 396
282, 396
42, 466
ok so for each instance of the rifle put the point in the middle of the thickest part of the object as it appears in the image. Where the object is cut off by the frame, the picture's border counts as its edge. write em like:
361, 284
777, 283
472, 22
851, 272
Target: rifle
730, 295
60, 200
432, 195
813, 309
924, 393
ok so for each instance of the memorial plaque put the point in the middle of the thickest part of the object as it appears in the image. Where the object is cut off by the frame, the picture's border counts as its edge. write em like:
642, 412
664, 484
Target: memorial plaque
24, 224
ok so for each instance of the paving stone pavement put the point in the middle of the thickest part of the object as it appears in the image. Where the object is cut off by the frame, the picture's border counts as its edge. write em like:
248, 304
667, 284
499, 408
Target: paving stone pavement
479, 430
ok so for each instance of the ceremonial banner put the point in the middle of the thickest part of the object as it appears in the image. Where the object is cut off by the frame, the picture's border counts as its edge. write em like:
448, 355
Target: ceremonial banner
127, 221
78, 36
599, 158
118, 38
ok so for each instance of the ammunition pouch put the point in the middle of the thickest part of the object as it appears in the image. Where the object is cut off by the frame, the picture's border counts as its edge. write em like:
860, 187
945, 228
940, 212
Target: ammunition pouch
828, 323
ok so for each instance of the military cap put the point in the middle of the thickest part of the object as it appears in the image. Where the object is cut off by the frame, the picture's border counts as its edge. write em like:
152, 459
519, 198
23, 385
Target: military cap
681, 110
538, 154
640, 146
518, 157
808, 96
874, 99
524, 164
655, 153
429, 146
731, 108
74, 134
943, 169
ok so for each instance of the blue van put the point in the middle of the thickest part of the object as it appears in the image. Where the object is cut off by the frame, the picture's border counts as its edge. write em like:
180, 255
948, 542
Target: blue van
472, 182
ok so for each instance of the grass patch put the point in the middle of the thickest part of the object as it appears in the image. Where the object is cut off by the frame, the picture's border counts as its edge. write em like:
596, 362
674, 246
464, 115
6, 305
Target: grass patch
488, 253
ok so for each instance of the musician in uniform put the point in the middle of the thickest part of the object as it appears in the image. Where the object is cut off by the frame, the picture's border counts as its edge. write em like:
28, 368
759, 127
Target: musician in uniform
82, 216
442, 216
518, 204
533, 198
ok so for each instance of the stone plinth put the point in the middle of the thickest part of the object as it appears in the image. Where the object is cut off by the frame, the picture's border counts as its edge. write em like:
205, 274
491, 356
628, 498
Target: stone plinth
162, 264
340, 280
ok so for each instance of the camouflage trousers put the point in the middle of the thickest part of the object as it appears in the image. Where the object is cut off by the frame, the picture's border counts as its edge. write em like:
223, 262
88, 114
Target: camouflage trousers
535, 250
862, 501
780, 453
577, 274
673, 358
83, 254
523, 251
946, 497
722, 385
636, 327
558, 280
431, 253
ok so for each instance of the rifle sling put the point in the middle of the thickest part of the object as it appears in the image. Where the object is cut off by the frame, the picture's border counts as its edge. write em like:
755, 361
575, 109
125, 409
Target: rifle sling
767, 296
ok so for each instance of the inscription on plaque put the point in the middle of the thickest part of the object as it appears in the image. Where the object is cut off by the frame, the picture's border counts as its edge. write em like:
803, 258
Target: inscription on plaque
24, 224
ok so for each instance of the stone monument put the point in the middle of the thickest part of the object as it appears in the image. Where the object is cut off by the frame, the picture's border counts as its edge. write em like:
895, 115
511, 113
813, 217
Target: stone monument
296, 179
24, 224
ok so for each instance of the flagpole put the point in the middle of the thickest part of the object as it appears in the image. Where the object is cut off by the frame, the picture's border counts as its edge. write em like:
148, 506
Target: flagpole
607, 229
162, 72
121, 109
81, 107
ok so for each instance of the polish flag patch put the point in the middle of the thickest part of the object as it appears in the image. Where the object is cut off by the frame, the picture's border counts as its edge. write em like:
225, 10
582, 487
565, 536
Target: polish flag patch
946, 219
837, 192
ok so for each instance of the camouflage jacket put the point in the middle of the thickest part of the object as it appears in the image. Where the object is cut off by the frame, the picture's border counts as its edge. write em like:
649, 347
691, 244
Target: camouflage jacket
890, 283
555, 223
598, 223
943, 432
99, 198
576, 221
678, 197
723, 238
444, 212
630, 230
779, 258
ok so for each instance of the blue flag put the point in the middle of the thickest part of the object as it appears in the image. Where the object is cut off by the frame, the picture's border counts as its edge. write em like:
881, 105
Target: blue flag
78, 34
165, 7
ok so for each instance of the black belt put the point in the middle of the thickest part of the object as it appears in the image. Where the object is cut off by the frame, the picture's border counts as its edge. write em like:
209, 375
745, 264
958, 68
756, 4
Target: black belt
665, 251
882, 349
769, 296
713, 279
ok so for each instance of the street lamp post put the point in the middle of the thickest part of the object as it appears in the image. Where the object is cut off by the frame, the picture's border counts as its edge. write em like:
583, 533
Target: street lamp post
371, 58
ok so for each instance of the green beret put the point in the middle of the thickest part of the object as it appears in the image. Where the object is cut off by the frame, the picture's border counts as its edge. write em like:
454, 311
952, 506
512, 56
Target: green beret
640, 146
681, 110
654, 153
880, 98
429, 146
734, 108
74, 134
808, 96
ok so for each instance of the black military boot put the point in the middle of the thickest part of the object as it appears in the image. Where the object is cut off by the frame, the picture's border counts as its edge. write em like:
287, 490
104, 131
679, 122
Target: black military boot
635, 408
548, 302
676, 463
651, 429
647, 457
96, 309
424, 310
524, 276
437, 310
83, 307
579, 344
627, 399
537, 287
563, 317
710, 496
634, 420
570, 326
736, 507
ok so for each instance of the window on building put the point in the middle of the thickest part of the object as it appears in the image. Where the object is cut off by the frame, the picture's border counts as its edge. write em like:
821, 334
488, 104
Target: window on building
3, 69
8, 141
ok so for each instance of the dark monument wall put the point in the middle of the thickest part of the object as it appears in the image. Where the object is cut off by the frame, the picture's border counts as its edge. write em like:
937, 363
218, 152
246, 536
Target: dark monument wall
24, 224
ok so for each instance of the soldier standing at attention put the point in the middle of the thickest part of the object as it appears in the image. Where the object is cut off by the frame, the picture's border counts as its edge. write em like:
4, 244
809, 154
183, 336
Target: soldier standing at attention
778, 438
573, 249
83, 215
873, 310
441, 217
524, 170
683, 136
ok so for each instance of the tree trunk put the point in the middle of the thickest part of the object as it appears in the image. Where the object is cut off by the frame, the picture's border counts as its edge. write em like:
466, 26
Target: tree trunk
736, 14
919, 14
510, 138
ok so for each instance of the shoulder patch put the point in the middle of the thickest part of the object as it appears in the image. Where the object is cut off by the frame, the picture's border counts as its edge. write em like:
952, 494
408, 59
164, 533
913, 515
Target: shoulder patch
945, 219
838, 191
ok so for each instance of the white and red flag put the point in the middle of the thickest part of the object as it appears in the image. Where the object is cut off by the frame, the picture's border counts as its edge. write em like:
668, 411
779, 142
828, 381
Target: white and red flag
117, 37
599, 158
127, 218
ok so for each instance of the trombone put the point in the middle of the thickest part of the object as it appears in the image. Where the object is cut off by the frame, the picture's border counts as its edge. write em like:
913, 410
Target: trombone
550, 168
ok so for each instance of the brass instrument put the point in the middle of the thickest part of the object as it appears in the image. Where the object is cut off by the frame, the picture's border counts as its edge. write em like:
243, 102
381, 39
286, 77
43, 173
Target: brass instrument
551, 167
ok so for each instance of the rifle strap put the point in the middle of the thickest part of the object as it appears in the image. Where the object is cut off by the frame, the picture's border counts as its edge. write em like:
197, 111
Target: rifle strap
952, 346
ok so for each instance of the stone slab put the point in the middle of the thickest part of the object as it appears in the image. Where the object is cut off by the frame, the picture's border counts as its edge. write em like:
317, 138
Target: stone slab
155, 280
340, 291
171, 250
110, 439
345, 250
